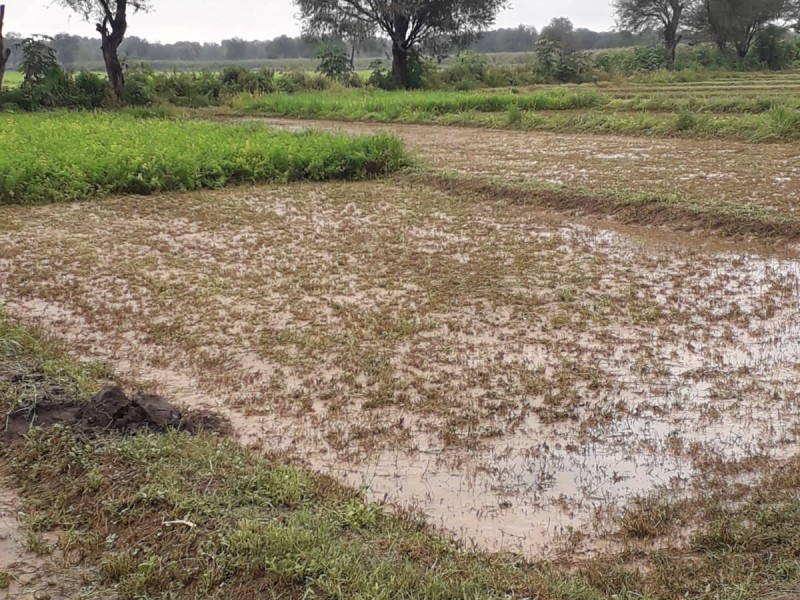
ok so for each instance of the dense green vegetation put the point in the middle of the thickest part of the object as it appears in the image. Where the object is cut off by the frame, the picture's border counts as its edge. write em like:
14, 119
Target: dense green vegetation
61, 156
413, 105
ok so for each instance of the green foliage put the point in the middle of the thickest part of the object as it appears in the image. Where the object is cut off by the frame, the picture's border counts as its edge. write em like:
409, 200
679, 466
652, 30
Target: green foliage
557, 63
61, 157
411, 27
334, 63
774, 52
38, 59
380, 77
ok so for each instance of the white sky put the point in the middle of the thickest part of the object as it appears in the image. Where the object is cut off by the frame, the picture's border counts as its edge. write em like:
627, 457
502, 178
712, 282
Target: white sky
215, 20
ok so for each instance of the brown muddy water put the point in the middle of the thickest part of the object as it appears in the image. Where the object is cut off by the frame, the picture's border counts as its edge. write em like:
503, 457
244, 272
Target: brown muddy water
31, 576
515, 377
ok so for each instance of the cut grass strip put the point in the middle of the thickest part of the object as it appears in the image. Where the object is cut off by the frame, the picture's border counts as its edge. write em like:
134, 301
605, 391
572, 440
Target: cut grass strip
63, 157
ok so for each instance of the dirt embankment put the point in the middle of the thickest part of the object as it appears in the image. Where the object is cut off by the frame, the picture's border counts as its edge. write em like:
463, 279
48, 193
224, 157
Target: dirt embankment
111, 410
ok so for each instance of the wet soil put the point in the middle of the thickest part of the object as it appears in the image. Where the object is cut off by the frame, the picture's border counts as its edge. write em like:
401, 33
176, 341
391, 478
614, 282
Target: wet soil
706, 172
31, 576
110, 410
512, 374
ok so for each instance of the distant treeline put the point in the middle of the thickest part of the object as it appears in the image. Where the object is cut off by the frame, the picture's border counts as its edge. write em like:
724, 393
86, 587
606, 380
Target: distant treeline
76, 51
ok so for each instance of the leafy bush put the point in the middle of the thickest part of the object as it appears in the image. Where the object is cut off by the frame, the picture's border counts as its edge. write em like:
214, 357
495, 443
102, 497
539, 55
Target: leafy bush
380, 77
334, 63
294, 82
58, 157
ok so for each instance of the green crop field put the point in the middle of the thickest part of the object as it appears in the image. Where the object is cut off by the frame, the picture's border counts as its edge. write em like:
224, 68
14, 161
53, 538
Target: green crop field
59, 156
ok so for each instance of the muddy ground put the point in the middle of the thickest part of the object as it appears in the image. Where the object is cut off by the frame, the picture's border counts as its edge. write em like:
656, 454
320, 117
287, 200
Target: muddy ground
515, 375
27, 575
714, 172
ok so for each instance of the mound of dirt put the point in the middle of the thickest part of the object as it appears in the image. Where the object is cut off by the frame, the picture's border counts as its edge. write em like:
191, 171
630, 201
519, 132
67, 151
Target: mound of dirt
111, 410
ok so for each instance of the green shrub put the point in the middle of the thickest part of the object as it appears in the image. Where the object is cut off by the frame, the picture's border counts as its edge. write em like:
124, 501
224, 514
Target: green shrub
334, 63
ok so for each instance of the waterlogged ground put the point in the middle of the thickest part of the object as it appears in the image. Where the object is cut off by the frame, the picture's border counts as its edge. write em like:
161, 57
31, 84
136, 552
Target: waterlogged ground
30, 567
706, 172
514, 376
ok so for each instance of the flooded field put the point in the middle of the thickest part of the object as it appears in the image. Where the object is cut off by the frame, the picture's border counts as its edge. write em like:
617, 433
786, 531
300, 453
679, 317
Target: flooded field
516, 377
705, 172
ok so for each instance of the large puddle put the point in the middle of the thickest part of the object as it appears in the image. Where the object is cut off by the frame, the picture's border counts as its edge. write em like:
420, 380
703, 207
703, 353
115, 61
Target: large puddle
515, 378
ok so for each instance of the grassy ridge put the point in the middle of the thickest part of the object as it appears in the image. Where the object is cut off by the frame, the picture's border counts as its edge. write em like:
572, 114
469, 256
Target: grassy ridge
376, 105
60, 157
554, 109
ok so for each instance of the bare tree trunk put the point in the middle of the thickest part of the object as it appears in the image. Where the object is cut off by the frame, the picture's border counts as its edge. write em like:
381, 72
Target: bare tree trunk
5, 53
113, 65
112, 33
671, 36
400, 67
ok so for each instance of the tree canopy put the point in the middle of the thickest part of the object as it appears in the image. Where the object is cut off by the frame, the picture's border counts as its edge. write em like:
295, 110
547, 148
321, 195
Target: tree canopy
664, 15
409, 24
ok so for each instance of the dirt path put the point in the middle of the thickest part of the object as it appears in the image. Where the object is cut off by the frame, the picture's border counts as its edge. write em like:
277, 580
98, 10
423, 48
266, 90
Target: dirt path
703, 171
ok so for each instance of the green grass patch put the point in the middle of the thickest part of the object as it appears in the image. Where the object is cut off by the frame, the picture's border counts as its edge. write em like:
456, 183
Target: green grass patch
12, 79
412, 106
62, 156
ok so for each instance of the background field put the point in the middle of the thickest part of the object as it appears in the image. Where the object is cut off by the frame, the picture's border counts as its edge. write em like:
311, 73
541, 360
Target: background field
759, 107
573, 351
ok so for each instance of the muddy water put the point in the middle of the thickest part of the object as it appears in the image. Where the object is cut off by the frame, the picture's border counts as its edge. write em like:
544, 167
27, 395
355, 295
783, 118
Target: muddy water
31, 577
512, 376
705, 171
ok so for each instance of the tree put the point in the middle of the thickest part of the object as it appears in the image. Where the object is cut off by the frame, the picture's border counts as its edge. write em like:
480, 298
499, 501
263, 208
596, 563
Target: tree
235, 49
409, 24
111, 22
334, 62
5, 53
793, 14
38, 59
736, 22
639, 15
561, 31
67, 47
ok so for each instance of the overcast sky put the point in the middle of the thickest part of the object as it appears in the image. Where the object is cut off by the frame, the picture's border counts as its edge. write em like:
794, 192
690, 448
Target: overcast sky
215, 20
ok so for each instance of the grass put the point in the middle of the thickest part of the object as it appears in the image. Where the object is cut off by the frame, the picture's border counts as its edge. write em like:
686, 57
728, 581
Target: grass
413, 106
12, 79
761, 115
62, 157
